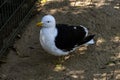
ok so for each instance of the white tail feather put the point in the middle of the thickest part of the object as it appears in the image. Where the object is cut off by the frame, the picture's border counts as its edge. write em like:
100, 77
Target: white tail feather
90, 42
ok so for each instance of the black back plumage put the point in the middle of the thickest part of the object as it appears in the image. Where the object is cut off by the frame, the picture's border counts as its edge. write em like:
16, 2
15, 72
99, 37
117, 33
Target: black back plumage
70, 36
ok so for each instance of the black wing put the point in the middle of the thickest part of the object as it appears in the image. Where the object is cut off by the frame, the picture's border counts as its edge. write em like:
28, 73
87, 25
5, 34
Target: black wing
69, 36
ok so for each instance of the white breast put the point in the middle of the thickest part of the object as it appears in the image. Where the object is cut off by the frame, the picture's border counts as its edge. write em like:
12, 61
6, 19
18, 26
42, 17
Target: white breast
47, 38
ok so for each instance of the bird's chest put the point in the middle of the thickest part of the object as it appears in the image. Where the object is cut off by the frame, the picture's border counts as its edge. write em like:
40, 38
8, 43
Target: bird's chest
47, 37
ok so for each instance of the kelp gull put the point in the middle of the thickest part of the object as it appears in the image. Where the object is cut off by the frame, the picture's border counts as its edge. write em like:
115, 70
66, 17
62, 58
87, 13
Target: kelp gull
61, 39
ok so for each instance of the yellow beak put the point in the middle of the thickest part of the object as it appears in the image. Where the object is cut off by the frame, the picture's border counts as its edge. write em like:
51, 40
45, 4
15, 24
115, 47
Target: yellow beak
39, 24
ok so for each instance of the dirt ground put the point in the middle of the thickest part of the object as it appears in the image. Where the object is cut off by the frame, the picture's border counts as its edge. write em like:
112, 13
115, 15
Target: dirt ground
28, 61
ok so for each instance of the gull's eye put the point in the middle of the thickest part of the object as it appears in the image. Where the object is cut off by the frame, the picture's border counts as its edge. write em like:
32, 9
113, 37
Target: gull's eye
48, 21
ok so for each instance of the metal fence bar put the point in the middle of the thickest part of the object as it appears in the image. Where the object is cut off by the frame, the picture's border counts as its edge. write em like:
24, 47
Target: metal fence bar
17, 17
11, 16
1, 4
